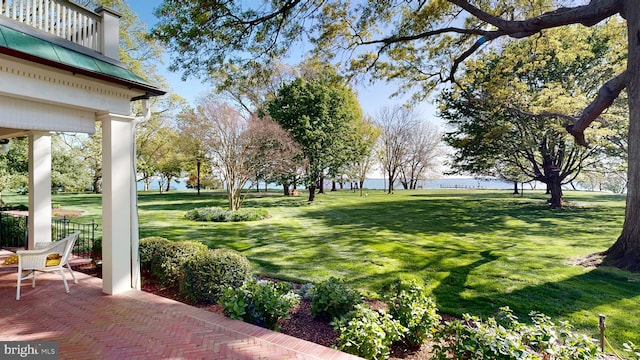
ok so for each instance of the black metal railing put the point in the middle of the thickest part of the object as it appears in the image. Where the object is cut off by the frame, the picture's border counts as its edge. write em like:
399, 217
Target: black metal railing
14, 233
63, 227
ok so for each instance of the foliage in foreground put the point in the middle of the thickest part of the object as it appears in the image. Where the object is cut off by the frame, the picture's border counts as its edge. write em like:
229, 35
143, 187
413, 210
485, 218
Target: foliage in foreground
507, 338
368, 333
411, 305
206, 275
332, 298
263, 303
218, 214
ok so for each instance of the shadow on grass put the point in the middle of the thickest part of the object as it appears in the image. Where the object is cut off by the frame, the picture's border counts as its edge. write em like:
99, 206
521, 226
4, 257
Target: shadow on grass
434, 214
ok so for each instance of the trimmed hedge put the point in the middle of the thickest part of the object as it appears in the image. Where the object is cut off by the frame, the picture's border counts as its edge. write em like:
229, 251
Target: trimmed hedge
206, 275
164, 259
218, 214
149, 251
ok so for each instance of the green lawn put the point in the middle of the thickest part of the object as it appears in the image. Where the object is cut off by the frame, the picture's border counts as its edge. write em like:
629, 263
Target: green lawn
476, 250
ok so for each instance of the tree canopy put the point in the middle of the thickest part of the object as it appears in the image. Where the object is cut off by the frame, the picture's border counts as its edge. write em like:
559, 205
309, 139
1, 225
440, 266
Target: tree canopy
423, 43
321, 115
493, 111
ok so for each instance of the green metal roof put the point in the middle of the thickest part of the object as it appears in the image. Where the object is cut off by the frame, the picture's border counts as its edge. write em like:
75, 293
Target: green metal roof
33, 48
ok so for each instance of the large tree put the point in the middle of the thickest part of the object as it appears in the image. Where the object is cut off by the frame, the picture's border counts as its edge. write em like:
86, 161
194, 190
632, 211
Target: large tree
422, 42
321, 115
493, 110
238, 147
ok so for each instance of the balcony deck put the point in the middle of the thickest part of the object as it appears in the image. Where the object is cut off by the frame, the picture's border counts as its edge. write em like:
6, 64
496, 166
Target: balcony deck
135, 325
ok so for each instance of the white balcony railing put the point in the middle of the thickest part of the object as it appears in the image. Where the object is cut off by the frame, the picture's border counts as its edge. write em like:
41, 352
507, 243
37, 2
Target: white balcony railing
57, 17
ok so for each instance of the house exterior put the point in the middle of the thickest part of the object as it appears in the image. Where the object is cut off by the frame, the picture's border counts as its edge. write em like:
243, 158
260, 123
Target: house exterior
60, 72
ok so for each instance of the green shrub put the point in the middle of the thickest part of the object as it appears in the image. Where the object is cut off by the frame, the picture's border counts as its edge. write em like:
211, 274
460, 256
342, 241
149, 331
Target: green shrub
14, 230
262, 303
306, 291
148, 251
218, 214
367, 333
96, 249
166, 258
206, 275
173, 259
471, 338
414, 309
332, 298
250, 214
215, 213
152, 250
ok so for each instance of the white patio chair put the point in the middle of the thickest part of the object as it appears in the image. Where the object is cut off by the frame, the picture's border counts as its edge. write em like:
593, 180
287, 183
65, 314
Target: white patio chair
32, 261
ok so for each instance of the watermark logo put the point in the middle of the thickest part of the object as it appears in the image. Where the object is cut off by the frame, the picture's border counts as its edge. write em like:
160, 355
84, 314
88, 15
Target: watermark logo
29, 350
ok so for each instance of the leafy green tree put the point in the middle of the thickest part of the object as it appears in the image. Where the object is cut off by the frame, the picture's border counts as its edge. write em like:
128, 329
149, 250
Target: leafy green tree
69, 171
321, 116
193, 147
422, 43
367, 135
14, 165
493, 109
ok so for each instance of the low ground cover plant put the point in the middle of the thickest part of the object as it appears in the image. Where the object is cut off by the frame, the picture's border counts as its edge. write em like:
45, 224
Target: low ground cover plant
411, 305
506, 338
332, 298
218, 214
263, 303
368, 333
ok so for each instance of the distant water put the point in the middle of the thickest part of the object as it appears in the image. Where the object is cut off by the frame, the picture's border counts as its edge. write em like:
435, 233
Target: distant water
381, 184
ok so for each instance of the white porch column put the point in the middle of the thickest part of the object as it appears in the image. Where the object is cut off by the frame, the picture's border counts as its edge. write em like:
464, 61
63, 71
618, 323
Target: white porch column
117, 170
39, 188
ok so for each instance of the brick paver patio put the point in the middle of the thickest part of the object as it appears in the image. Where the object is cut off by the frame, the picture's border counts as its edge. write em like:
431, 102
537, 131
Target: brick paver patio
134, 325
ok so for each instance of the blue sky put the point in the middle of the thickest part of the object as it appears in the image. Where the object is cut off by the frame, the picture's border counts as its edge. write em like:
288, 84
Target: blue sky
372, 97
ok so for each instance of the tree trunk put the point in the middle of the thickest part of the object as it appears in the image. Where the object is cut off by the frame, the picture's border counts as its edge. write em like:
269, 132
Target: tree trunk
515, 188
556, 194
285, 187
168, 183
96, 185
333, 186
312, 193
321, 185
625, 252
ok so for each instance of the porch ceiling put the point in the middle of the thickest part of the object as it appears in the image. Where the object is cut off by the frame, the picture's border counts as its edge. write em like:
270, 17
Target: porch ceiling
7, 133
